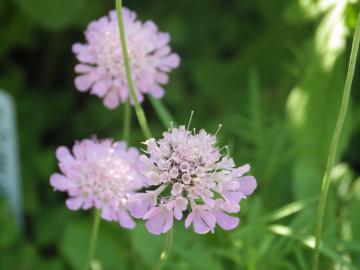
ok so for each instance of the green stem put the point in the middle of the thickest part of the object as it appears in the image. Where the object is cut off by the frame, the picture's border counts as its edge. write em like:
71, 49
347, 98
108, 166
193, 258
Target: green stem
162, 112
167, 248
93, 238
127, 121
139, 112
334, 144
138, 109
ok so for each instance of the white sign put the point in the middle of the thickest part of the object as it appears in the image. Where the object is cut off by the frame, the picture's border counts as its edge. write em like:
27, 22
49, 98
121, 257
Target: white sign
9, 162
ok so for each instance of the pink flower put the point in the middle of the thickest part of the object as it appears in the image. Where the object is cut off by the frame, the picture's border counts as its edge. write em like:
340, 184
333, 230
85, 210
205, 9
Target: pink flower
188, 174
99, 174
101, 68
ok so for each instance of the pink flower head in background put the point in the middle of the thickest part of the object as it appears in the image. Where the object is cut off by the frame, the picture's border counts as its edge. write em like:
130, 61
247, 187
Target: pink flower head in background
188, 174
99, 174
101, 68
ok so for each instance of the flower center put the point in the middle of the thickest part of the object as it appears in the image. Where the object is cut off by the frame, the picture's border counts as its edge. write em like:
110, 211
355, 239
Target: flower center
106, 49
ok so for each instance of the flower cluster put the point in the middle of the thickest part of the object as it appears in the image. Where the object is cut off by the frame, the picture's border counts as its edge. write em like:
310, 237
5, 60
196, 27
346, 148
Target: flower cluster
184, 175
99, 174
101, 68
188, 173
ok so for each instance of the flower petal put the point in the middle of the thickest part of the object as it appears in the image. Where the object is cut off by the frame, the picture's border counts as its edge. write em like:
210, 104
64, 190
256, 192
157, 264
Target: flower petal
112, 99
125, 220
189, 220
247, 185
204, 223
158, 221
63, 155
74, 203
83, 82
140, 204
60, 182
226, 222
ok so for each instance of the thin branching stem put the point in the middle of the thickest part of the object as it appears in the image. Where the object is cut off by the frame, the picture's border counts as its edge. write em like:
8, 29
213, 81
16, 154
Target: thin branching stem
93, 239
138, 109
127, 121
139, 113
167, 248
334, 143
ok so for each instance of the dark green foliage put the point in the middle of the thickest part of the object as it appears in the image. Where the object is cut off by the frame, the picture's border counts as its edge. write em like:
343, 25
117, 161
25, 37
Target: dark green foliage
271, 72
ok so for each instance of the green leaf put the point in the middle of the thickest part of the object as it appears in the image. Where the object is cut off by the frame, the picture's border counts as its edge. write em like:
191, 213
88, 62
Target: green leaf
109, 249
290, 209
314, 102
146, 245
309, 241
188, 250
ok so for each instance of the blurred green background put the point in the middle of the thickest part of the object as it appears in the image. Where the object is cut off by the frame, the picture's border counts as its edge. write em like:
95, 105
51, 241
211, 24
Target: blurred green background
271, 72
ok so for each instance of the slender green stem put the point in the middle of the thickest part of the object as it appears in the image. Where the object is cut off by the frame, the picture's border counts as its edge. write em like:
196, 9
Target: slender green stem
93, 238
139, 112
138, 109
167, 248
127, 121
163, 113
334, 144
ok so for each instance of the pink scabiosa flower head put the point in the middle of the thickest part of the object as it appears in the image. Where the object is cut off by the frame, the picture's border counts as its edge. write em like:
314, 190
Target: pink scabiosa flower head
101, 67
190, 176
99, 174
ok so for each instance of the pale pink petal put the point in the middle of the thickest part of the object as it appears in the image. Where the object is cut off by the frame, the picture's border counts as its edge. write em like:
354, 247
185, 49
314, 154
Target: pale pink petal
189, 220
204, 222
81, 68
159, 221
124, 93
163, 39
171, 61
163, 51
157, 91
247, 185
100, 88
177, 189
150, 26
120, 146
88, 203
125, 220
233, 196
169, 221
230, 207
225, 221
140, 204
80, 48
63, 155
111, 99
107, 213
60, 182
83, 82
162, 78
238, 172
74, 203
231, 185
178, 213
